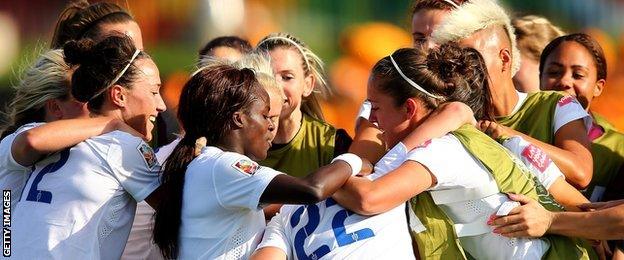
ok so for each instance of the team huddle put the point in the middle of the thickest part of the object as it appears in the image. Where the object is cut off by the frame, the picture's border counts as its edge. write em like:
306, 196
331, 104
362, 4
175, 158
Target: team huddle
460, 151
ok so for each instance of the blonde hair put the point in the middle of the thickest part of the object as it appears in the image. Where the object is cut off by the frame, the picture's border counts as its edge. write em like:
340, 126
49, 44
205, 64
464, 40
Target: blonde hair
312, 65
48, 78
259, 62
473, 16
533, 33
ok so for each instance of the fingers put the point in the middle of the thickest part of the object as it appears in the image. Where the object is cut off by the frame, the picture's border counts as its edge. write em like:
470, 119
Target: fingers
507, 220
484, 126
520, 198
523, 233
520, 229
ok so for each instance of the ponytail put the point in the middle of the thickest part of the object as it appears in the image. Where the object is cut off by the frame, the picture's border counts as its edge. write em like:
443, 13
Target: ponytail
168, 217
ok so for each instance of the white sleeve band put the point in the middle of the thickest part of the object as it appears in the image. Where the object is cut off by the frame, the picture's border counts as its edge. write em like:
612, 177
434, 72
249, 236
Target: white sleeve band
365, 110
353, 160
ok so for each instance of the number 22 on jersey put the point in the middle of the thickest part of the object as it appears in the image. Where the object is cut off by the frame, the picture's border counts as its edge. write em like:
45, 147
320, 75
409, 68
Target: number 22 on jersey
338, 226
41, 195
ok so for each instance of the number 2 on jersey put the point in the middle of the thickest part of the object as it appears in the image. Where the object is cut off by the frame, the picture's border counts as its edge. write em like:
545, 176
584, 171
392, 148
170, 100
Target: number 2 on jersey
342, 237
41, 195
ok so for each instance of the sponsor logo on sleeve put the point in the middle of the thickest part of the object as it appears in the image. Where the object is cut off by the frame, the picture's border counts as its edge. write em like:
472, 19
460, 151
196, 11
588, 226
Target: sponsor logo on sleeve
246, 166
149, 157
565, 100
536, 157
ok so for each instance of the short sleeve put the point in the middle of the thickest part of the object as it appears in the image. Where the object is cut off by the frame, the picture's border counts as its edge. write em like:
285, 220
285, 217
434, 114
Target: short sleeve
6, 155
569, 109
163, 152
390, 161
239, 181
435, 156
536, 160
275, 235
134, 165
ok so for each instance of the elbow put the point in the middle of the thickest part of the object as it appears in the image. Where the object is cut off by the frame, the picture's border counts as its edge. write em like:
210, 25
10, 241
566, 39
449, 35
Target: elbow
367, 207
24, 148
313, 194
365, 204
581, 181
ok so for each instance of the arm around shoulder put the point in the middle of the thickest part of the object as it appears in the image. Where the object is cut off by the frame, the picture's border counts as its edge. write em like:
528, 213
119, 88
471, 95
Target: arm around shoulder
33, 144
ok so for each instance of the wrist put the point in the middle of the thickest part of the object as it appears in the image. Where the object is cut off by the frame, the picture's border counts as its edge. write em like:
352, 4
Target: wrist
551, 218
354, 161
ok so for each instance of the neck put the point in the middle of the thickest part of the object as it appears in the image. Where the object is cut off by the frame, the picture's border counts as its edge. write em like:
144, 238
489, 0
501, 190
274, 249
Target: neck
288, 127
231, 143
504, 98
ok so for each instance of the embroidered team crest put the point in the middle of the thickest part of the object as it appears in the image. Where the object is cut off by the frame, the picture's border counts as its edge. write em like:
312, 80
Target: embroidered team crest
246, 166
565, 100
149, 157
537, 157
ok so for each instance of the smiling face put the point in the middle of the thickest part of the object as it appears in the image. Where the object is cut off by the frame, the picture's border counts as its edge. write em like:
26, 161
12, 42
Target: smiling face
287, 65
143, 99
423, 23
257, 127
571, 68
390, 118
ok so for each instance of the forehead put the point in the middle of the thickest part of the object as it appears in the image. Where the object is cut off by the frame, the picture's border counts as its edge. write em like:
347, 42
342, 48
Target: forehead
572, 51
148, 72
424, 21
372, 92
285, 58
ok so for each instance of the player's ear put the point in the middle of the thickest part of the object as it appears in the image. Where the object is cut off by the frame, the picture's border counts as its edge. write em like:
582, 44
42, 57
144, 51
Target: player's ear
237, 119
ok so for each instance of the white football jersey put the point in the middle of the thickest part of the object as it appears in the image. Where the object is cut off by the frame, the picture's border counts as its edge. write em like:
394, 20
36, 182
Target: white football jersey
454, 167
13, 176
326, 230
140, 244
221, 213
79, 203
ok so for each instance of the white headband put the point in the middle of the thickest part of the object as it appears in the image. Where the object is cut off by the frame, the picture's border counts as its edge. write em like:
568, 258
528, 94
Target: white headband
136, 53
305, 59
411, 82
451, 3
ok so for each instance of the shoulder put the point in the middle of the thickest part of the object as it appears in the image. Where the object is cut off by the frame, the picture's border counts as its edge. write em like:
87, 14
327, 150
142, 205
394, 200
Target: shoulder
123, 146
444, 144
223, 161
118, 137
544, 98
547, 94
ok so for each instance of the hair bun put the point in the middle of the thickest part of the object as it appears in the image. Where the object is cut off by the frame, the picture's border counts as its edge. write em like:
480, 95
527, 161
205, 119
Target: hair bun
78, 52
80, 4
